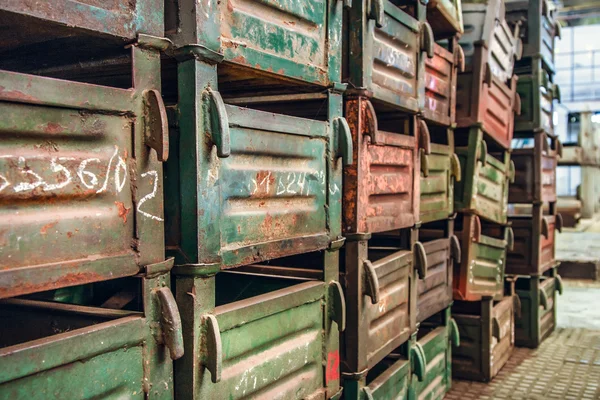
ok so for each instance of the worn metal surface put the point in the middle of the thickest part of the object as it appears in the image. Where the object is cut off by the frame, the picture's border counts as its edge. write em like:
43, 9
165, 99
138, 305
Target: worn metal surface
290, 39
434, 292
439, 170
537, 94
482, 98
535, 173
539, 28
487, 338
252, 335
123, 19
436, 343
440, 83
483, 189
488, 33
483, 258
385, 55
380, 288
445, 17
122, 354
81, 188
380, 188
390, 379
537, 319
534, 249
260, 185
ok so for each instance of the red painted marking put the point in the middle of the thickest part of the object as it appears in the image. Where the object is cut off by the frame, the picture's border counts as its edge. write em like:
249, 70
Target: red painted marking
333, 366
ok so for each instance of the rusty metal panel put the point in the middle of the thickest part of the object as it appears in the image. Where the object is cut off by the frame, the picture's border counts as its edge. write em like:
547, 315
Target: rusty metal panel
487, 338
122, 19
537, 94
483, 189
434, 292
445, 17
380, 188
385, 55
265, 185
534, 250
381, 315
440, 84
82, 189
535, 173
289, 39
488, 33
539, 28
483, 258
126, 354
537, 318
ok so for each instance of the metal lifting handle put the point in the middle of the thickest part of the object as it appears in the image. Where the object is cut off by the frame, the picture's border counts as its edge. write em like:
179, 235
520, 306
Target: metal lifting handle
517, 305
460, 58
558, 222
420, 259
424, 159
214, 349
344, 145
371, 118
511, 171
556, 93
476, 229
456, 169
455, 249
347, 3
156, 126
376, 12
337, 305
170, 323
424, 137
517, 104
487, 74
558, 284
545, 228
510, 238
496, 331
218, 121
371, 282
417, 355
427, 39
454, 332
543, 299
482, 155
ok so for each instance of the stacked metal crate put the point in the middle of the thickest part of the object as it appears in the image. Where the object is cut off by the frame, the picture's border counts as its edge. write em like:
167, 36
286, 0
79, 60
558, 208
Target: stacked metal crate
486, 102
84, 138
532, 263
398, 198
258, 143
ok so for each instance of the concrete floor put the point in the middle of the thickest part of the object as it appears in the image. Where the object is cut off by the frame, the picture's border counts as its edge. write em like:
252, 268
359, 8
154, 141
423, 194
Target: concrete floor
565, 366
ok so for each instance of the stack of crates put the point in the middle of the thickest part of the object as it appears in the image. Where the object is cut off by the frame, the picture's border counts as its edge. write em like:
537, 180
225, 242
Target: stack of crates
81, 238
398, 200
486, 102
531, 264
254, 195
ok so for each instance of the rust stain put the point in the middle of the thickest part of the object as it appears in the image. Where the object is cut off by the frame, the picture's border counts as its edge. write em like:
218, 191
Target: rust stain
45, 228
69, 235
53, 128
123, 211
16, 95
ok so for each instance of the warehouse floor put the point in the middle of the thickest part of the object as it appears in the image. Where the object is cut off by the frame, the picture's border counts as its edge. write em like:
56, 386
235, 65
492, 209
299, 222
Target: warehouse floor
565, 366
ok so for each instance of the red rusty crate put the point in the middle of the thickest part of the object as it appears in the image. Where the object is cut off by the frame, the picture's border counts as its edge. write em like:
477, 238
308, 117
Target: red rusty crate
381, 186
440, 83
483, 98
535, 171
533, 252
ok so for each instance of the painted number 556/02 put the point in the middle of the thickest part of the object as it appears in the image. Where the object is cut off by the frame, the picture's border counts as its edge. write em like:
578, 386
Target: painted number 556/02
36, 174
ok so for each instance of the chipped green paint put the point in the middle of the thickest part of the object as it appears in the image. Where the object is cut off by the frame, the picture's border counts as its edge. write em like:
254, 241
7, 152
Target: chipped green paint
483, 189
537, 93
437, 188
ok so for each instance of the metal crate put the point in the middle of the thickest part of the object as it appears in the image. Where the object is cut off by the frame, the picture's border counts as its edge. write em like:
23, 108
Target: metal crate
445, 17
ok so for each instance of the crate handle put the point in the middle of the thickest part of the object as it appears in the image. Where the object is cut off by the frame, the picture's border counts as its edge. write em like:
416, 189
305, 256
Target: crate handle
460, 58
559, 148
558, 223
511, 171
424, 162
417, 355
218, 121
214, 348
557, 30
517, 104
455, 249
371, 281
424, 137
482, 156
519, 49
545, 228
337, 304
517, 305
476, 228
556, 93
377, 12
454, 332
427, 39
510, 238
543, 299
496, 328
455, 167
344, 145
558, 284
170, 323
156, 125
372, 122
420, 259
487, 74
545, 144
347, 3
